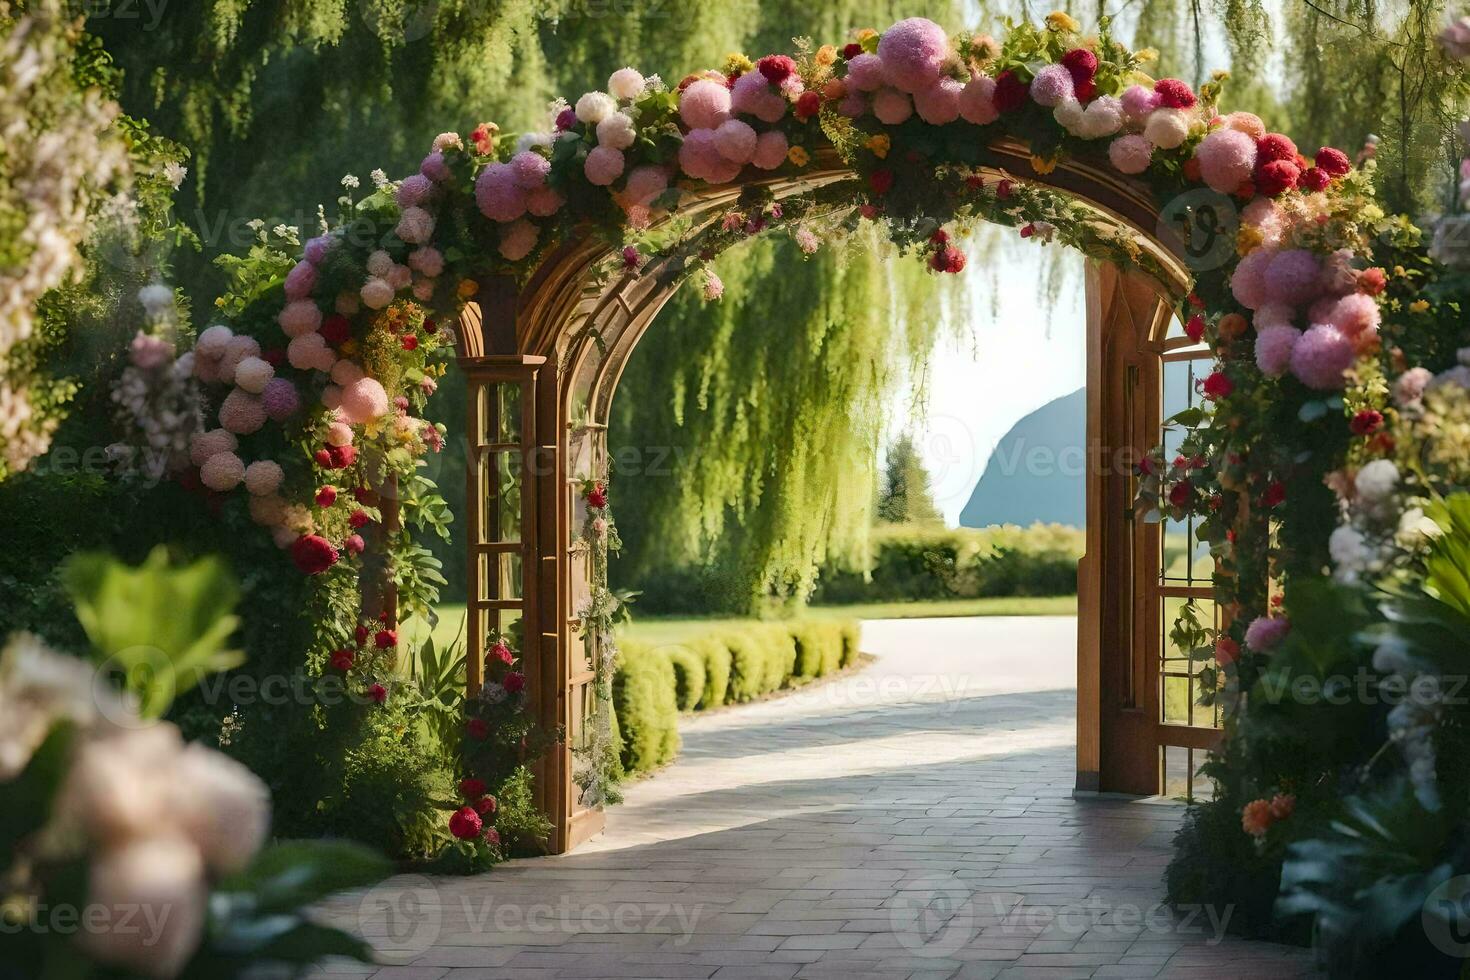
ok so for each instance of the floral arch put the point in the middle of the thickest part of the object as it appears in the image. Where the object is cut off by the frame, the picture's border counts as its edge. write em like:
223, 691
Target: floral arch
553, 252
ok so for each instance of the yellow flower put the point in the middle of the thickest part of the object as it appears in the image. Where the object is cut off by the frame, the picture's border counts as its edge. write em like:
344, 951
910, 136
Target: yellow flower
349, 346
880, 145
1146, 55
1059, 20
1398, 271
735, 62
798, 156
1042, 165
467, 288
866, 33
826, 55
1419, 306
1248, 239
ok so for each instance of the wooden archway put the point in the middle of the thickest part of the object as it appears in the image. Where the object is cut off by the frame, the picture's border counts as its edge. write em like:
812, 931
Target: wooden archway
543, 361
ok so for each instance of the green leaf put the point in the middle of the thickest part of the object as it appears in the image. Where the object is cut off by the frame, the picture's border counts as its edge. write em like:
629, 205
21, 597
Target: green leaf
29, 796
290, 874
162, 628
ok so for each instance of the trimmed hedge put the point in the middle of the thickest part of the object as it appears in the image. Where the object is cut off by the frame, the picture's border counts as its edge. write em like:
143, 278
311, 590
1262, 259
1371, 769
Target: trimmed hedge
654, 683
925, 562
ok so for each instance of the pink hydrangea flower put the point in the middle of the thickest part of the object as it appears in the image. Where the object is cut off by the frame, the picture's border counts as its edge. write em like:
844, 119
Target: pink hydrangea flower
939, 104
705, 104
913, 52
1052, 86
977, 101
1265, 633
1130, 154
1321, 356
1274, 345
1227, 158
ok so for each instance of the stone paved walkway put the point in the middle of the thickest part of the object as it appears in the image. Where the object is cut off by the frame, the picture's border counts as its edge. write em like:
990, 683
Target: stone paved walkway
911, 821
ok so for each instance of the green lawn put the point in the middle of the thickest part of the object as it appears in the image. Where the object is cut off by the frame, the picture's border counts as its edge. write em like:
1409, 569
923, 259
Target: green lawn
658, 629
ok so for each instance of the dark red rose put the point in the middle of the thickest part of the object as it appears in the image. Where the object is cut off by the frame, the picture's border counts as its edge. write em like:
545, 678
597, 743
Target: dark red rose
947, 259
385, 639
1315, 179
1004, 188
378, 693
323, 458
597, 496
1217, 385
1085, 90
359, 519
776, 67
313, 554
1194, 328
342, 659
430, 326
466, 823
1275, 146
326, 496
851, 51
410, 342
1181, 493
471, 788
1333, 160
360, 634
1081, 64
1010, 91
1275, 494
1366, 422
1174, 94
477, 729
354, 543
808, 105
1276, 178
335, 329
939, 237
514, 682
486, 806
342, 456
502, 653
881, 181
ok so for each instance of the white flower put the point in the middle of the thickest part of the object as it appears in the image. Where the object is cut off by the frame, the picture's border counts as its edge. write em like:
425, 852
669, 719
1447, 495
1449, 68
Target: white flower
1414, 528
379, 263
1350, 552
1377, 480
379, 179
594, 107
162, 879
616, 131
157, 300
626, 83
223, 806
38, 688
174, 173
350, 182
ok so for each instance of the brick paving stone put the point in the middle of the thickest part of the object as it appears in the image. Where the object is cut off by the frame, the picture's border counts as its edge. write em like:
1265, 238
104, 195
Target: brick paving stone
882, 825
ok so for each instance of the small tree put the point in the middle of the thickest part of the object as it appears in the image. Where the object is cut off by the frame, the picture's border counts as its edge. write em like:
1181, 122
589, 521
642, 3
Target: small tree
905, 497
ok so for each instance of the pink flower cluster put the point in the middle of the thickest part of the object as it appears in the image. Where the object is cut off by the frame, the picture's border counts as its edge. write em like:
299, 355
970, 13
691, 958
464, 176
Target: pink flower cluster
1285, 287
717, 144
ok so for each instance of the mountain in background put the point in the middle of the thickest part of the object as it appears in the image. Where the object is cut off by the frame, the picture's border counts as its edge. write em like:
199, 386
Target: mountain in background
1036, 472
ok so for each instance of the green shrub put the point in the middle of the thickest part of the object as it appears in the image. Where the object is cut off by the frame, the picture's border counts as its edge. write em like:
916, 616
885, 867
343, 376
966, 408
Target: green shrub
688, 676
780, 647
747, 665
647, 709
715, 655
852, 636
818, 649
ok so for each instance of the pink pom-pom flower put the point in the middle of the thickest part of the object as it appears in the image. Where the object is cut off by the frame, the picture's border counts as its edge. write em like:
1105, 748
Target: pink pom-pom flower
1321, 357
865, 73
1227, 158
1274, 345
1130, 154
977, 101
705, 104
1052, 86
913, 52
939, 104
363, 401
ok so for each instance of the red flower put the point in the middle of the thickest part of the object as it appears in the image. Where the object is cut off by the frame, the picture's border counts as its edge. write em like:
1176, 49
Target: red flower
1372, 281
1246, 191
355, 544
1194, 300
326, 496
881, 181
947, 259
1226, 650
1027, 230
776, 67
410, 342
1010, 91
1084, 90
515, 682
359, 519
1275, 494
1282, 805
477, 729
1333, 160
1180, 493
597, 496
1276, 177
342, 456
313, 554
1192, 169
503, 653
1080, 63
1275, 146
486, 805
471, 788
939, 237
1004, 189
484, 138
1194, 328
335, 329
361, 494
1174, 94
360, 634
466, 823
1366, 422
566, 119
378, 693
384, 639
808, 105
1315, 179
342, 659
1217, 385
323, 458
273, 356
851, 51
492, 837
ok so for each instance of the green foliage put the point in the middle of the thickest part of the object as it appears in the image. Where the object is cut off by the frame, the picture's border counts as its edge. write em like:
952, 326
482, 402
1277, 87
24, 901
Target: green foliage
163, 628
927, 562
645, 701
522, 826
716, 659
689, 678
904, 497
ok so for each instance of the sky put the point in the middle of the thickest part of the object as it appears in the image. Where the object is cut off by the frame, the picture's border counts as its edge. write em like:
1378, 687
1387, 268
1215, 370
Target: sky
1014, 352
